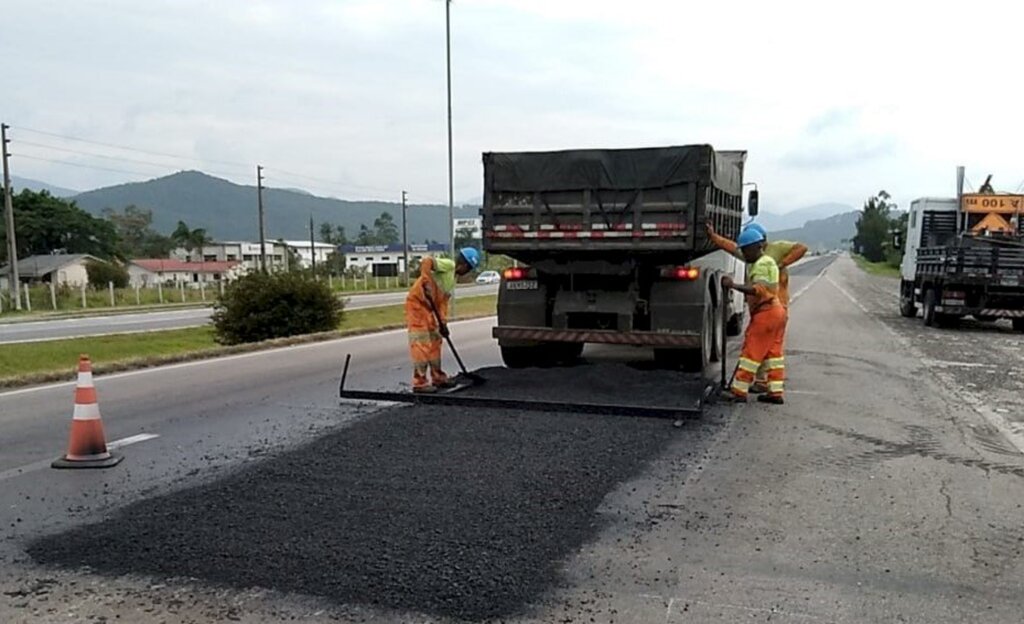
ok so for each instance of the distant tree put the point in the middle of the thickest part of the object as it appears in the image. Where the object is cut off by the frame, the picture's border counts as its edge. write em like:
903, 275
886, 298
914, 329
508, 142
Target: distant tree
385, 230
138, 238
874, 227
333, 234
366, 236
48, 224
465, 237
193, 240
101, 273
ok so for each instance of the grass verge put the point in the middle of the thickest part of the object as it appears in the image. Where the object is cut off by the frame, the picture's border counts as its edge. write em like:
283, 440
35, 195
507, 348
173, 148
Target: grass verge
55, 360
883, 269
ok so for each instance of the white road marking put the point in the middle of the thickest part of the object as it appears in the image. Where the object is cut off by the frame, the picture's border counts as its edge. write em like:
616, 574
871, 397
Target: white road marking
135, 439
229, 358
44, 463
950, 364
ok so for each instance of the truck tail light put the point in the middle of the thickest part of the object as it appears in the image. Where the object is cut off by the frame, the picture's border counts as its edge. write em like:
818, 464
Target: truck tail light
682, 273
514, 273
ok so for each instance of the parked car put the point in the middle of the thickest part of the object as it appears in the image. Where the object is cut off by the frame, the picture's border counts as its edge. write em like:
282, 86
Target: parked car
488, 277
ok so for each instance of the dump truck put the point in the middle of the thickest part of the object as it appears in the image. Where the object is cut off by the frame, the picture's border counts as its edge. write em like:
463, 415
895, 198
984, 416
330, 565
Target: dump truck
964, 256
610, 248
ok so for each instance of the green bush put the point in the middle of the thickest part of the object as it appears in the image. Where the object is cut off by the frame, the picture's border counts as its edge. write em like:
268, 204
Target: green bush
102, 273
260, 307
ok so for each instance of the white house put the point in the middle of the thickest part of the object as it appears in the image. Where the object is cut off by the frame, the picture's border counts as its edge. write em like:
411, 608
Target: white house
150, 272
64, 269
386, 260
306, 251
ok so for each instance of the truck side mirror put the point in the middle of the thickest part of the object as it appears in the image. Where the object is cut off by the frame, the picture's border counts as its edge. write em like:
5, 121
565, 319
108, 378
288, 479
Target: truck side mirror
752, 203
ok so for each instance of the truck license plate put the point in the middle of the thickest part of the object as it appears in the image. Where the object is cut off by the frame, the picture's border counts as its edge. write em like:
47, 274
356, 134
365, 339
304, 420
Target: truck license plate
521, 285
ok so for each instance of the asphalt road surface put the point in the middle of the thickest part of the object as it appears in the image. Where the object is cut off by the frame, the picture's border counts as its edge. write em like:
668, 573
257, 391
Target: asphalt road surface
887, 489
171, 319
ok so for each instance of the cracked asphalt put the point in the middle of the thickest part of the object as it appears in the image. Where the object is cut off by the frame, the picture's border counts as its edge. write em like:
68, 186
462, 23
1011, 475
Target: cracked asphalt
887, 489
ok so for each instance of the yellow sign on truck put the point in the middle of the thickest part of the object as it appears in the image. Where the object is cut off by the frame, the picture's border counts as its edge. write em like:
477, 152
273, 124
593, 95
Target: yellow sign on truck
986, 203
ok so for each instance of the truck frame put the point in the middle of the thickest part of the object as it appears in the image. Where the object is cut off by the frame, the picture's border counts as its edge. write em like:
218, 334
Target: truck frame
610, 247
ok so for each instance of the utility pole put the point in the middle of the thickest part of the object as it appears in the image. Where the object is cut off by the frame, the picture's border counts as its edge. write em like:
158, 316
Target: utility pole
448, 64
12, 243
312, 243
405, 239
263, 234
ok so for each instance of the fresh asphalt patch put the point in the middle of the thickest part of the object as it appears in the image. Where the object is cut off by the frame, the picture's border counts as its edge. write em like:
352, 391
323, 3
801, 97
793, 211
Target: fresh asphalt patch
451, 512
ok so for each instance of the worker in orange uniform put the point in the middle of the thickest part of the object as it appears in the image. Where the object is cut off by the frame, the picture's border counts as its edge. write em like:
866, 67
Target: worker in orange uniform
762, 343
784, 253
428, 294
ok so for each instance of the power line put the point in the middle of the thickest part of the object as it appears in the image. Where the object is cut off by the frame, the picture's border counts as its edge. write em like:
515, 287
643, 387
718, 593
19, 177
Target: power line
133, 149
71, 164
107, 157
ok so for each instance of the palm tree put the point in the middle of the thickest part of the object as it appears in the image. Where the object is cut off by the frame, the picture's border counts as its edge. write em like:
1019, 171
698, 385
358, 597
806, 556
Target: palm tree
192, 240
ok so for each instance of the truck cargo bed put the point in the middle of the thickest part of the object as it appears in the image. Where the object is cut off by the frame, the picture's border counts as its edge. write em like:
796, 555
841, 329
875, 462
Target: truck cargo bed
630, 201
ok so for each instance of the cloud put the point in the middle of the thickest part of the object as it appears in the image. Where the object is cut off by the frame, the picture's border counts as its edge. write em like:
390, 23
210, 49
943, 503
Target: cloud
353, 92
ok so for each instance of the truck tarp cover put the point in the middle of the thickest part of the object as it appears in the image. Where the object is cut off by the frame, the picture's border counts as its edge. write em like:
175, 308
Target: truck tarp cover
613, 169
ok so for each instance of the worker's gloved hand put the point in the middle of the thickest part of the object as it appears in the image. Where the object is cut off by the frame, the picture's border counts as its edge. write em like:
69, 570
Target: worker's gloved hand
727, 281
709, 228
443, 330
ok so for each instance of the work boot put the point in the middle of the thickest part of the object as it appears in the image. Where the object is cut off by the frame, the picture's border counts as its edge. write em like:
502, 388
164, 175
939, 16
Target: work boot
424, 389
447, 383
729, 397
758, 387
771, 398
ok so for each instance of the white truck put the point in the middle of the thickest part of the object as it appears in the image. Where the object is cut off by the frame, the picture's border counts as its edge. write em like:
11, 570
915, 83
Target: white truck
964, 257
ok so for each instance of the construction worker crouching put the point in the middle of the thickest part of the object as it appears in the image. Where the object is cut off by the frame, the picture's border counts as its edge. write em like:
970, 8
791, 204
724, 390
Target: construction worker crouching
784, 253
426, 315
762, 343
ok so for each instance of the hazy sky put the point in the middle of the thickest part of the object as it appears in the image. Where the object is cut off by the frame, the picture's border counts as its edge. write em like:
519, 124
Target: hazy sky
833, 101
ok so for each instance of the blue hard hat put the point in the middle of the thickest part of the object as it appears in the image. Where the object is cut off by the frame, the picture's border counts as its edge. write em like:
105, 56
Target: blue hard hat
758, 227
471, 256
749, 236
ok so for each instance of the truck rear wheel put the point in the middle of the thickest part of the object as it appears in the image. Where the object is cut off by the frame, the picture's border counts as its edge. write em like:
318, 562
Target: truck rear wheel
908, 309
930, 297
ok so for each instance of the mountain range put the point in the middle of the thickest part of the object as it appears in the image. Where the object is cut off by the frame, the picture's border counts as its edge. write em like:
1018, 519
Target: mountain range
228, 211
35, 185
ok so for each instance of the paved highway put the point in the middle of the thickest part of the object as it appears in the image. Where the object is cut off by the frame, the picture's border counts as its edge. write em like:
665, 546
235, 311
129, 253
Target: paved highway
171, 319
886, 489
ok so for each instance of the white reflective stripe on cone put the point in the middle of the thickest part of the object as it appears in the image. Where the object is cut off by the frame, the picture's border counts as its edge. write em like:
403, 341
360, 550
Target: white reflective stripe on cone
97, 456
85, 379
89, 411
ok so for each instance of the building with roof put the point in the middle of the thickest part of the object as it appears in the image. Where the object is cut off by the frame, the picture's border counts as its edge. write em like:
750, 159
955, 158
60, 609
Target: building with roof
238, 251
63, 269
387, 260
306, 250
152, 271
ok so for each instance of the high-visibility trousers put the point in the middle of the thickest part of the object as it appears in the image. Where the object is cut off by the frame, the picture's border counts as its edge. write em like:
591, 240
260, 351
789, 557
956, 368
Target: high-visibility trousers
424, 344
763, 344
783, 297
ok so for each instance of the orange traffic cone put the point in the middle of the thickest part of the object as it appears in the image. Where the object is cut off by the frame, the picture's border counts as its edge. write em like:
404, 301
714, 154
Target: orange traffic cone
88, 446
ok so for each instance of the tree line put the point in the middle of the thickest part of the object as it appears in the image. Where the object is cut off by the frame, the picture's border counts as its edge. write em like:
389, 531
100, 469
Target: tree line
47, 224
